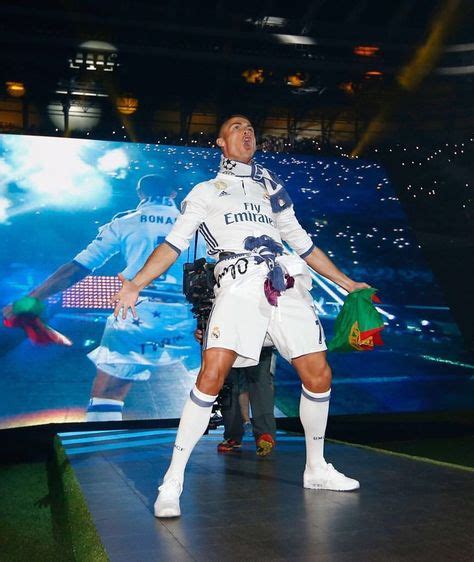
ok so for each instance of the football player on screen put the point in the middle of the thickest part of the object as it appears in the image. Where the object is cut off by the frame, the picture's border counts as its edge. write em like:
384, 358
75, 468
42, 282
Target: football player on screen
131, 348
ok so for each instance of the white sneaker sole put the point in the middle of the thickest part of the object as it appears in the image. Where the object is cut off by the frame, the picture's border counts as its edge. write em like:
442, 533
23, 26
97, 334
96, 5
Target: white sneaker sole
166, 512
317, 486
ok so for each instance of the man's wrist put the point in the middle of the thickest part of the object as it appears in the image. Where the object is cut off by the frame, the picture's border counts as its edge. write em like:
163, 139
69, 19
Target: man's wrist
347, 284
139, 286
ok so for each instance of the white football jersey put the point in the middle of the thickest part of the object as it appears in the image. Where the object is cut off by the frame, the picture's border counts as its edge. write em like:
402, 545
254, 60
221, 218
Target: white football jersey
134, 234
227, 210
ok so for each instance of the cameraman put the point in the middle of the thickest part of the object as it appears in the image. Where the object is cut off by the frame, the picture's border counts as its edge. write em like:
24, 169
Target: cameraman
258, 381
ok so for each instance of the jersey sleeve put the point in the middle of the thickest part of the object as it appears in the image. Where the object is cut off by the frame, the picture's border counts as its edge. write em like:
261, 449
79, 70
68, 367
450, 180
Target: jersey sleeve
293, 233
194, 210
101, 249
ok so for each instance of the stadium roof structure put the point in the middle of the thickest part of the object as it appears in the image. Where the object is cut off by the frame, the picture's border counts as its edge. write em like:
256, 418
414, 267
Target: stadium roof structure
273, 56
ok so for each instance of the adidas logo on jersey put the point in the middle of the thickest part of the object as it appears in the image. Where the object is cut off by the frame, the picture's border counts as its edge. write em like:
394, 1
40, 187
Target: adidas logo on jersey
222, 193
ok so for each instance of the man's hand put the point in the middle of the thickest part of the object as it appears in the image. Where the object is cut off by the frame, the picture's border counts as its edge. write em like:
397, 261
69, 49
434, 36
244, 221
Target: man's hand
7, 311
356, 285
198, 335
320, 262
125, 298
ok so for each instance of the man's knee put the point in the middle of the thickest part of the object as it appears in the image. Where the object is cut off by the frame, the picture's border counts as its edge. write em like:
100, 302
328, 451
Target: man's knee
215, 367
321, 372
107, 386
211, 375
314, 371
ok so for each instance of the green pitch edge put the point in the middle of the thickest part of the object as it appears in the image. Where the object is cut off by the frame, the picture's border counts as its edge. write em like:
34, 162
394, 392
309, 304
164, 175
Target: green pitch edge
77, 526
404, 455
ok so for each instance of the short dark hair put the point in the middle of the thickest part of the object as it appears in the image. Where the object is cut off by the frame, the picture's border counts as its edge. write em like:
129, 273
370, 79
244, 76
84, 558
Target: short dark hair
155, 185
224, 123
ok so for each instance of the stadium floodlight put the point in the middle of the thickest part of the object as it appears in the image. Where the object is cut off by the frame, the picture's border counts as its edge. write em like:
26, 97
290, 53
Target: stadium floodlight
95, 56
81, 116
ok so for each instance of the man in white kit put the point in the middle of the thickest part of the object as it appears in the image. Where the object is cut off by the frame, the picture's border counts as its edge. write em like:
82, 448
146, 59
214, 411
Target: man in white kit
262, 295
130, 349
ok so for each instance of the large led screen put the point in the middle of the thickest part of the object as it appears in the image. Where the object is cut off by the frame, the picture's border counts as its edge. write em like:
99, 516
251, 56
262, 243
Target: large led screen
56, 195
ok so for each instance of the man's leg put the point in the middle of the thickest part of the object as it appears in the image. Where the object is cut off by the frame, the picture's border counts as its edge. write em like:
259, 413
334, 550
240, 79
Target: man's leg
315, 374
244, 405
107, 397
216, 364
262, 401
231, 415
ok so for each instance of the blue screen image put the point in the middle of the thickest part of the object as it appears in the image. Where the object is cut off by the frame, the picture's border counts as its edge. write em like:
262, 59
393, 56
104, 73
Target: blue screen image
56, 195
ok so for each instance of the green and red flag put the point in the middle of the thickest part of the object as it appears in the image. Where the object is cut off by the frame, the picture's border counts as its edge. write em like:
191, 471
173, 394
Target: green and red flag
26, 315
358, 324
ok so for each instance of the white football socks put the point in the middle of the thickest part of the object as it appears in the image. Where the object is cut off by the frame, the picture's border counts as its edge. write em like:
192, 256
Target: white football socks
194, 421
104, 409
314, 408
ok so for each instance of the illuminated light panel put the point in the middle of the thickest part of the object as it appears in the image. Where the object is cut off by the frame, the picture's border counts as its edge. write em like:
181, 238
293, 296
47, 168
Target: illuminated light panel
366, 50
94, 291
82, 93
455, 70
126, 104
373, 74
16, 89
268, 21
294, 39
95, 55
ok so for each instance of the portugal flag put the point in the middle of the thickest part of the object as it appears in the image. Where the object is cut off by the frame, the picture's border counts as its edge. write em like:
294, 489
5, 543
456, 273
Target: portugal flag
26, 315
359, 323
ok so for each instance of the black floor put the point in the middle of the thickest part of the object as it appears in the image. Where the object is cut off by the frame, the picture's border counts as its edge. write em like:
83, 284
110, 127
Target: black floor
239, 507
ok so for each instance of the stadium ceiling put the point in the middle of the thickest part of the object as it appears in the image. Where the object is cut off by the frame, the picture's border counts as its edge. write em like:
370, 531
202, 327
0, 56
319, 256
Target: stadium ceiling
160, 50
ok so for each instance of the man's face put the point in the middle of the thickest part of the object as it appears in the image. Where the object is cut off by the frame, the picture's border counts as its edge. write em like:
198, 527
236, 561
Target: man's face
237, 139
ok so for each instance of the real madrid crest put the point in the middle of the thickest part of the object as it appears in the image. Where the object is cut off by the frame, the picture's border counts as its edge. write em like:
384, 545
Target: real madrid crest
220, 185
215, 332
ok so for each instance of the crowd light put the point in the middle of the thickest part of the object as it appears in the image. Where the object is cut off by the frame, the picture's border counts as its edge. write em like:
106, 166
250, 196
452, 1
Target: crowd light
254, 75
297, 79
373, 74
366, 50
348, 87
16, 89
126, 104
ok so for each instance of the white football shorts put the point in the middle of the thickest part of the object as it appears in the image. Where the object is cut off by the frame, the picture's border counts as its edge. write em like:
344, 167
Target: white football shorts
243, 320
133, 348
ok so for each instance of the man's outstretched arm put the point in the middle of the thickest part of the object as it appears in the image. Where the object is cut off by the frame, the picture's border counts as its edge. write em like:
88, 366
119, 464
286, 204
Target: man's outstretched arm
63, 278
159, 261
320, 262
